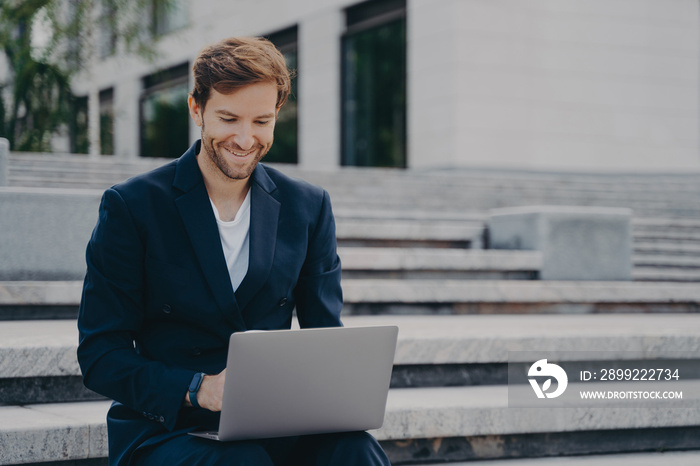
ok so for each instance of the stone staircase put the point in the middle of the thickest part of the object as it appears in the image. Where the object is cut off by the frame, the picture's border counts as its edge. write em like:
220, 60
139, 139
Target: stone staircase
665, 195
448, 401
666, 249
413, 253
446, 209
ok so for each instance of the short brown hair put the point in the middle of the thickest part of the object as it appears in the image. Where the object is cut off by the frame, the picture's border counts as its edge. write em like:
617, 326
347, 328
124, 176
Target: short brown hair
233, 63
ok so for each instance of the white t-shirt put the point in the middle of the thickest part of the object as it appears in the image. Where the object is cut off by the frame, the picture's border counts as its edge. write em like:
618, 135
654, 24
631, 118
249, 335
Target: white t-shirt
235, 239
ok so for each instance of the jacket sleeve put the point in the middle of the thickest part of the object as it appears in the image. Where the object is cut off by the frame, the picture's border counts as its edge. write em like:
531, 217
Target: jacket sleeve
318, 295
112, 314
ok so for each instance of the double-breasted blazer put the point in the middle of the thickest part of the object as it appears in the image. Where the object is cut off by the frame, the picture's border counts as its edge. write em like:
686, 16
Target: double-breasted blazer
158, 305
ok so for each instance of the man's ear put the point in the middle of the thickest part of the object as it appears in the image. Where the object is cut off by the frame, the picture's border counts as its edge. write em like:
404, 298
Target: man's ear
195, 110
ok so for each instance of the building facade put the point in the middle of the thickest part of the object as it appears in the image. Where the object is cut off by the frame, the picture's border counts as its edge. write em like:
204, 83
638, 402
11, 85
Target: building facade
596, 85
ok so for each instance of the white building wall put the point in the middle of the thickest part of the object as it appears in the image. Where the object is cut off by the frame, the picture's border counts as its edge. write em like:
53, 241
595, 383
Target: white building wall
598, 85
319, 89
126, 117
603, 85
432, 30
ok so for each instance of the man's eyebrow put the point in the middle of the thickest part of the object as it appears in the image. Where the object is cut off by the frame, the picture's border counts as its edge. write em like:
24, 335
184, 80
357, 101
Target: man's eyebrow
231, 114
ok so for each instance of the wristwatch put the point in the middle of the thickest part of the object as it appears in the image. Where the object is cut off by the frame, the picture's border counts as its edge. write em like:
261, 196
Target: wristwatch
194, 388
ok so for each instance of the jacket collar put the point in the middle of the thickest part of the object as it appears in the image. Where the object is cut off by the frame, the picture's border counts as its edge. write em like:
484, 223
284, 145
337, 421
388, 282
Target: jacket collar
187, 173
200, 223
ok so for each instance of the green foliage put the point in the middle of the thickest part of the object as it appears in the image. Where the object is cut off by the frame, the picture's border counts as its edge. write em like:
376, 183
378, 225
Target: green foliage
35, 97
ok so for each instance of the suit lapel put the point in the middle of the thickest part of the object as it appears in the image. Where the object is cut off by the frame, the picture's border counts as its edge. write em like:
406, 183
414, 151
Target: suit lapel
200, 223
264, 215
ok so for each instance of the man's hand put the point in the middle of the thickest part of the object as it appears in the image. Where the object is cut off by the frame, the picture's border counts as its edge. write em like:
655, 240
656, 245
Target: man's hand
211, 393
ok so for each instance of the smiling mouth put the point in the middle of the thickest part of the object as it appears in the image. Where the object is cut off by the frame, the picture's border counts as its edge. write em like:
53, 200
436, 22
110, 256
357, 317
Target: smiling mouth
239, 154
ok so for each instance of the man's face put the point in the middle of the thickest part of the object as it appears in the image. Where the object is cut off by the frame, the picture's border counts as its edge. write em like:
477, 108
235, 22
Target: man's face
237, 129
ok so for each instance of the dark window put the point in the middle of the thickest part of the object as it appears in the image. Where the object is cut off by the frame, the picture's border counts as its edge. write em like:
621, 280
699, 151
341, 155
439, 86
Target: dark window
374, 85
107, 121
164, 113
285, 148
79, 126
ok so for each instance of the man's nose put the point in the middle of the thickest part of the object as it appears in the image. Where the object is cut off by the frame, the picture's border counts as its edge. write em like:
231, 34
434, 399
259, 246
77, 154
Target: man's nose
244, 139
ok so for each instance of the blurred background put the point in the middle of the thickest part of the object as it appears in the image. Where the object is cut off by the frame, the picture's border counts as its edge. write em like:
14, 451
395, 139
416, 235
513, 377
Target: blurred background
507, 176
575, 85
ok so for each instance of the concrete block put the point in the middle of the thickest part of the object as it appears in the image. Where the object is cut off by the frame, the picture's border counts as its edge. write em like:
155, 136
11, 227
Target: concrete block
45, 232
577, 243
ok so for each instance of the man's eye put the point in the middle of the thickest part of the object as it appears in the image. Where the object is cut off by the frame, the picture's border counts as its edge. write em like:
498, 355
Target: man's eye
228, 120
262, 122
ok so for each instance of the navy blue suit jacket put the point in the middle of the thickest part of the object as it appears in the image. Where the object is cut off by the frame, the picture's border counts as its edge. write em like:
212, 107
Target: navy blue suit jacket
157, 303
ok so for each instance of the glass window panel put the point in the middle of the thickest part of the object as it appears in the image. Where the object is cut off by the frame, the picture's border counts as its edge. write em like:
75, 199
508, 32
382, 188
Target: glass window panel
165, 121
107, 122
374, 96
284, 149
79, 126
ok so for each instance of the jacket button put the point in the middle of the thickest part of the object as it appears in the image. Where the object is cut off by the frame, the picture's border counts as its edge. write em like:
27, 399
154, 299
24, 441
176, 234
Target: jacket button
196, 352
282, 302
167, 309
161, 420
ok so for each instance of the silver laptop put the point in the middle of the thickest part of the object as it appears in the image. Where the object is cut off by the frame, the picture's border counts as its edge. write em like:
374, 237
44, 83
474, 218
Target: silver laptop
281, 383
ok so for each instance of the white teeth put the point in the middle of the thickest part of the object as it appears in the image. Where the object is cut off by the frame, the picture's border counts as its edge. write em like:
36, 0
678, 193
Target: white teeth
239, 154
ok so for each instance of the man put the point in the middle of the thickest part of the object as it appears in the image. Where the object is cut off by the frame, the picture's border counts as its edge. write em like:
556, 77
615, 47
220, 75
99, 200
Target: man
205, 246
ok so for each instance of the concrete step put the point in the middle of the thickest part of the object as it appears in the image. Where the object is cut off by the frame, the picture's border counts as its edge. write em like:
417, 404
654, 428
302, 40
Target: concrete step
676, 195
353, 212
671, 235
658, 274
36, 300
502, 178
397, 232
666, 261
652, 458
422, 263
516, 297
38, 358
451, 420
666, 247
660, 224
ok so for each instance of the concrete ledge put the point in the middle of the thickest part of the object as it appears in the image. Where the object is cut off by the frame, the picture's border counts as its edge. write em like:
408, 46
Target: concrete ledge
469, 411
676, 458
53, 432
48, 348
655, 274
66, 431
456, 291
44, 293
452, 233
438, 259
421, 291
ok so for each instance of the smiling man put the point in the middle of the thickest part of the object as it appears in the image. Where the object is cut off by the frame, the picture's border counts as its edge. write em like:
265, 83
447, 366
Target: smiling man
208, 245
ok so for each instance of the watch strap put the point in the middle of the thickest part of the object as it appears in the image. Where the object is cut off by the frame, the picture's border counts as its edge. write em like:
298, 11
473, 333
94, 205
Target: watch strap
194, 388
